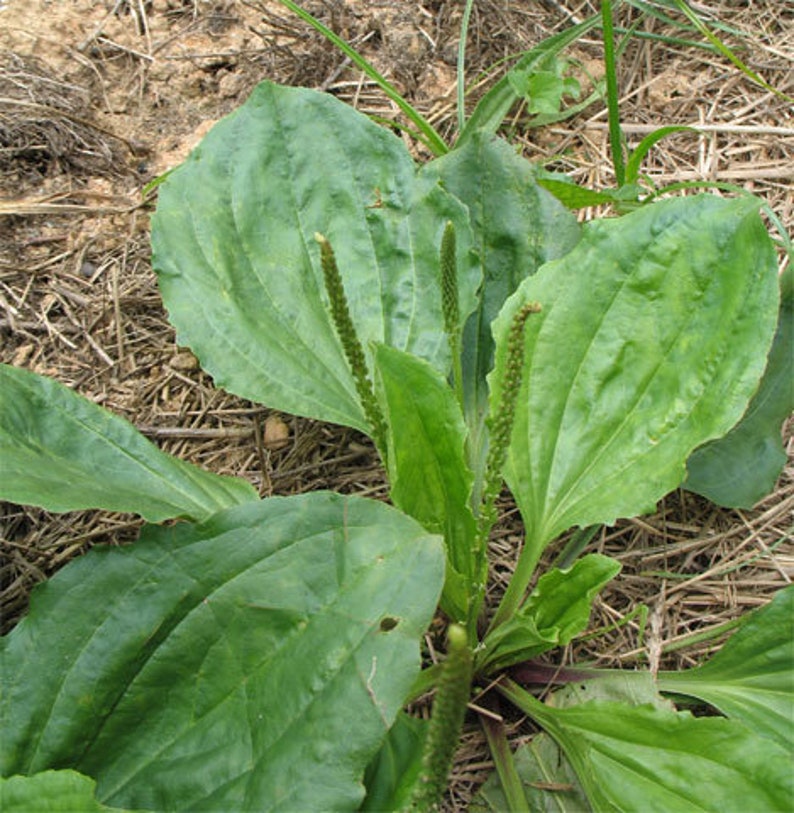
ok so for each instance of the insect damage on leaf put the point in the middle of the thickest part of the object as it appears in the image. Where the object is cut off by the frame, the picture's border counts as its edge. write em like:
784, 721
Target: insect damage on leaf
388, 623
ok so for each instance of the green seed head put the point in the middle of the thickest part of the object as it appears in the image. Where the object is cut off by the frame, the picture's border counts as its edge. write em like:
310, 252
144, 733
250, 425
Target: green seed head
501, 423
449, 709
354, 353
449, 281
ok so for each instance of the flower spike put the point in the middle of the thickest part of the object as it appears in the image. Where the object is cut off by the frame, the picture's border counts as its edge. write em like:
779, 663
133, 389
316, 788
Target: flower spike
501, 423
449, 281
450, 306
354, 353
449, 709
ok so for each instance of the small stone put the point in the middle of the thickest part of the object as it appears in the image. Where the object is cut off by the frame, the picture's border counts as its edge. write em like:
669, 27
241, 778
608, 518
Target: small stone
184, 362
87, 269
231, 85
22, 354
276, 433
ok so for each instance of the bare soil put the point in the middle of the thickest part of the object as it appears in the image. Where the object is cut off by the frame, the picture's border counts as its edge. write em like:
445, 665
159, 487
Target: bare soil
99, 97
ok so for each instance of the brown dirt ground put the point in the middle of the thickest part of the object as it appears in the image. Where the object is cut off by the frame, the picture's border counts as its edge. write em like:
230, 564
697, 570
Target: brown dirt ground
98, 97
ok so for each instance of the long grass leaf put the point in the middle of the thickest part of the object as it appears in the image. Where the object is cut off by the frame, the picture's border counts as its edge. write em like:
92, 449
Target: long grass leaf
613, 104
645, 146
430, 136
461, 79
725, 50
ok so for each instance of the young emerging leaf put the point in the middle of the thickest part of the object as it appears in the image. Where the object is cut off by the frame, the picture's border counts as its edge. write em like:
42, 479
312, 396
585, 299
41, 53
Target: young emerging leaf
557, 610
253, 662
494, 106
545, 87
62, 452
430, 479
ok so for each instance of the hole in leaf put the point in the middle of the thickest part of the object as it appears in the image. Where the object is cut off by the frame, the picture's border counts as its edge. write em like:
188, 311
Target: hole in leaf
387, 623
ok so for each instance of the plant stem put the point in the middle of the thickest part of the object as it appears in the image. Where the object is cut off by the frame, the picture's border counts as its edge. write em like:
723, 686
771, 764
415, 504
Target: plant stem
354, 353
519, 581
461, 78
615, 134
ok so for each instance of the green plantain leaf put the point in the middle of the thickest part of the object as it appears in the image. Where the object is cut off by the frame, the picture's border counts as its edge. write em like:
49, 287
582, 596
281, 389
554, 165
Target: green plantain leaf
637, 688
739, 469
751, 678
430, 478
519, 226
62, 452
649, 758
51, 792
391, 776
238, 265
251, 663
653, 337
556, 611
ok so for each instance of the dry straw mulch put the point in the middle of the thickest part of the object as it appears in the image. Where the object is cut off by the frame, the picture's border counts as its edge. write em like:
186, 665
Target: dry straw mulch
97, 98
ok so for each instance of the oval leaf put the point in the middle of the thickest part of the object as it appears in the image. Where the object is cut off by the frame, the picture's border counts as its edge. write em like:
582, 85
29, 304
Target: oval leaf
653, 337
518, 227
234, 248
556, 611
62, 452
251, 663
742, 467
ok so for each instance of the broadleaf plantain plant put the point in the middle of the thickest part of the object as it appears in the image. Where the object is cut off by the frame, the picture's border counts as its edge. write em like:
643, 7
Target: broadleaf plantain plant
257, 655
